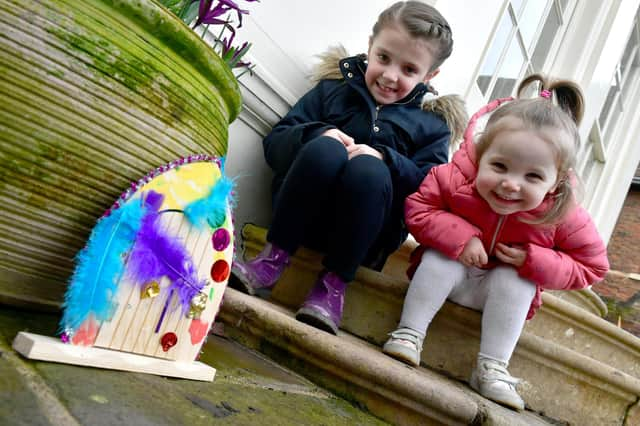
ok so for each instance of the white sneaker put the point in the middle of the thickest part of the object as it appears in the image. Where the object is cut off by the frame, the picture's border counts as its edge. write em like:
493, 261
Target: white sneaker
492, 380
405, 344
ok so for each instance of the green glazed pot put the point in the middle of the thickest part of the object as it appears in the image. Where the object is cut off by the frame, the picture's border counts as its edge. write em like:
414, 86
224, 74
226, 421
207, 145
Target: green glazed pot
94, 94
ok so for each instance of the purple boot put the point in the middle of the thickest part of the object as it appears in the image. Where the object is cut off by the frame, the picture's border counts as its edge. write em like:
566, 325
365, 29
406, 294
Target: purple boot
260, 273
323, 307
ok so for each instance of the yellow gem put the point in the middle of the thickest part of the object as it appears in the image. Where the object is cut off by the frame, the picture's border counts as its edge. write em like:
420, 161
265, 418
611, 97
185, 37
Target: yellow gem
150, 290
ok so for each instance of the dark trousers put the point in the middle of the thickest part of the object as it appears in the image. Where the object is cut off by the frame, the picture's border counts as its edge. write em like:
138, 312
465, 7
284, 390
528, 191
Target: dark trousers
332, 204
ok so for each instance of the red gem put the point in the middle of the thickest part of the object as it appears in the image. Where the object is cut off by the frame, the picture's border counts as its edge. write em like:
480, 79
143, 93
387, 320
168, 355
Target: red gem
168, 341
220, 271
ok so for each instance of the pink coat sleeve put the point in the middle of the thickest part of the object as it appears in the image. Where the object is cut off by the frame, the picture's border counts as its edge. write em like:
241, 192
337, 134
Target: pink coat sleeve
578, 260
428, 216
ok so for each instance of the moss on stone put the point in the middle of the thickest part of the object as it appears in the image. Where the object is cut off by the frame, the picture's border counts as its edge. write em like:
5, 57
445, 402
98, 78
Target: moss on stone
248, 389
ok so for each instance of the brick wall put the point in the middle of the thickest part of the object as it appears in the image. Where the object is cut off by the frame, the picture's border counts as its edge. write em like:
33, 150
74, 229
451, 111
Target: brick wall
624, 246
620, 291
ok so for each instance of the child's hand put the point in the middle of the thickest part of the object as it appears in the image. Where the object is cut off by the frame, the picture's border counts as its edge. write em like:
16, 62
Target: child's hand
362, 149
512, 255
340, 136
474, 253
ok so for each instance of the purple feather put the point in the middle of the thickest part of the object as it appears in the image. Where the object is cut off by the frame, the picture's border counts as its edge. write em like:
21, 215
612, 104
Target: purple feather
156, 254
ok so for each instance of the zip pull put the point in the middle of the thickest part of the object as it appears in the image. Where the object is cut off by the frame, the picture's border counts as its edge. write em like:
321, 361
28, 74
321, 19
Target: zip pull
376, 129
495, 234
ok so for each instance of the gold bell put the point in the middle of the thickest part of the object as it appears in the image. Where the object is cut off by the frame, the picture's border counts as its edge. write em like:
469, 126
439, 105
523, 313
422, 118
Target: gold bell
198, 303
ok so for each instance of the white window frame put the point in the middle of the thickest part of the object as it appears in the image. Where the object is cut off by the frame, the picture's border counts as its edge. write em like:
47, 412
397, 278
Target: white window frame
515, 35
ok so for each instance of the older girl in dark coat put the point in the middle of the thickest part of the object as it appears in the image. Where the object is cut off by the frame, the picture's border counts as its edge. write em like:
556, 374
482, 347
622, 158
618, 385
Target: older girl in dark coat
348, 154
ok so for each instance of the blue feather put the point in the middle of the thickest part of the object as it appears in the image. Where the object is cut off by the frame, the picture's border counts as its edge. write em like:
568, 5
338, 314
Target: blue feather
212, 209
99, 266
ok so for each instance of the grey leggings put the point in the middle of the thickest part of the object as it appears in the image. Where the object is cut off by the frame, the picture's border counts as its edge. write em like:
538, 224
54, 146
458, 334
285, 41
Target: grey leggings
500, 293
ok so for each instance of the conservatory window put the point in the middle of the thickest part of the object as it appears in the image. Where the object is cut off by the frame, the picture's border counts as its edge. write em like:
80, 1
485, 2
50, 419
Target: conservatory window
625, 78
521, 44
602, 137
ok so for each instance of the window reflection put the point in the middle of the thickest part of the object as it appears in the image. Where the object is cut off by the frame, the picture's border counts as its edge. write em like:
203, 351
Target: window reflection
510, 71
547, 35
626, 74
522, 43
530, 20
517, 6
608, 104
490, 64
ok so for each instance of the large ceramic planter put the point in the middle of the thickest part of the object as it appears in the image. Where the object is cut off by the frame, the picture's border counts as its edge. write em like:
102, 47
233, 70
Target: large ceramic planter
93, 95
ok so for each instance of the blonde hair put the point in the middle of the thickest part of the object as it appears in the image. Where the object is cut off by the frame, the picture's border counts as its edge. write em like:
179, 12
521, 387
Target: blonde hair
560, 106
421, 21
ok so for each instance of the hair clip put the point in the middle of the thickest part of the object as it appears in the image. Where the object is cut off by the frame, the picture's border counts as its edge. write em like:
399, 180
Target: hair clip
545, 94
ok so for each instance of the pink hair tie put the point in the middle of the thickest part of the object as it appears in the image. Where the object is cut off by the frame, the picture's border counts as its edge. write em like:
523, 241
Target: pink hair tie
545, 94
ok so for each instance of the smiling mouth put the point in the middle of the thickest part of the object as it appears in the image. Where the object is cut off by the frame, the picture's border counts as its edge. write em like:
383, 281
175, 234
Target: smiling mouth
385, 89
505, 198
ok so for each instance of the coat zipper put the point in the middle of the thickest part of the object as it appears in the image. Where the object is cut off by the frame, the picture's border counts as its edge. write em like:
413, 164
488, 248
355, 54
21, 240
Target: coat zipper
379, 107
495, 234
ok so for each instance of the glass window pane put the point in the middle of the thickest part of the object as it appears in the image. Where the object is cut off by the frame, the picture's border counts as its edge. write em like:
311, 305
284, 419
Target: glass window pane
530, 20
517, 6
604, 113
627, 52
588, 167
509, 72
548, 34
500, 40
631, 48
585, 160
563, 5
630, 71
616, 111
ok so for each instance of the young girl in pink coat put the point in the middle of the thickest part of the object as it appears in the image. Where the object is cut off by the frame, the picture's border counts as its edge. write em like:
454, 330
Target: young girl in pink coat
497, 226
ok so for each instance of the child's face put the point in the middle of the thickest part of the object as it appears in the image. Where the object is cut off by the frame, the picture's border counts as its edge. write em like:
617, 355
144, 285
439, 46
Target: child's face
517, 171
397, 63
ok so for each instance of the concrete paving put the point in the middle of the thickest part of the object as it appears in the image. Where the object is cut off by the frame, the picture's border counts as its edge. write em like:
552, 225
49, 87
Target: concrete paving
248, 389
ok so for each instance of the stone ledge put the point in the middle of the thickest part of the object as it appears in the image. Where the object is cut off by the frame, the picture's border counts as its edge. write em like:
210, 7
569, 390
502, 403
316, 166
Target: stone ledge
558, 320
360, 371
578, 353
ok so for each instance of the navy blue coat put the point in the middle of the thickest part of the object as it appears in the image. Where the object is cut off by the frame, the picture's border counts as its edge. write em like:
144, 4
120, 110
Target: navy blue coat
411, 140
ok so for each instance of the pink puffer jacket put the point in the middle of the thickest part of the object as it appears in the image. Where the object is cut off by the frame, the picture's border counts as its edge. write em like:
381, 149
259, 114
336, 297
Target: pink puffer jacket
447, 211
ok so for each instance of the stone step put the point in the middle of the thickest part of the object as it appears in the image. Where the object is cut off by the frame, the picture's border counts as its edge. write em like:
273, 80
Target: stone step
565, 350
358, 371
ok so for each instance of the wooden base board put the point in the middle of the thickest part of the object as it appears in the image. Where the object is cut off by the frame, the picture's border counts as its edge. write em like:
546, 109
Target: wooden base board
34, 346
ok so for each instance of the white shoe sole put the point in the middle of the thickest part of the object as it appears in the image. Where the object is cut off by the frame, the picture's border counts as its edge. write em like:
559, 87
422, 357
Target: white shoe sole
507, 399
402, 353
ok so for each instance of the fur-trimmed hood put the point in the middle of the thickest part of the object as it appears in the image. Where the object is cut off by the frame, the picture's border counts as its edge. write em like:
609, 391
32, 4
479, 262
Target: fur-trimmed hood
450, 107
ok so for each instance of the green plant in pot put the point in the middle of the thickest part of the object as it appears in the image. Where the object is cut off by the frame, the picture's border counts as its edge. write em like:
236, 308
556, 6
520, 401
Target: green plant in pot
95, 95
